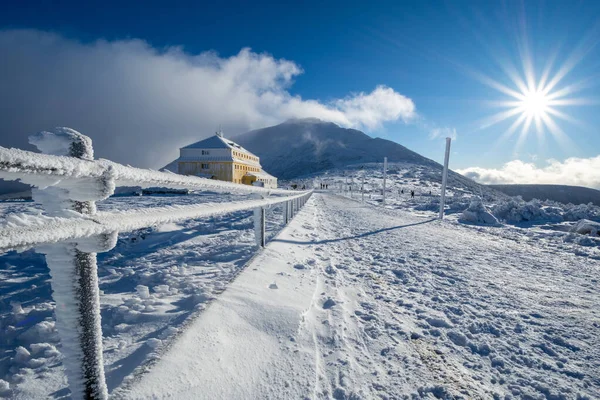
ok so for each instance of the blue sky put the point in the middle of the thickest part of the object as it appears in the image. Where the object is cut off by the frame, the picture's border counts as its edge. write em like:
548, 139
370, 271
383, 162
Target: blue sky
432, 52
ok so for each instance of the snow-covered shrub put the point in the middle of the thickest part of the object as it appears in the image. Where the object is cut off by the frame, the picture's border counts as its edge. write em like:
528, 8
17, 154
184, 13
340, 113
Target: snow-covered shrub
432, 205
581, 211
454, 204
587, 227
21, 355
516, 210
582, 240
4, 388
477, 213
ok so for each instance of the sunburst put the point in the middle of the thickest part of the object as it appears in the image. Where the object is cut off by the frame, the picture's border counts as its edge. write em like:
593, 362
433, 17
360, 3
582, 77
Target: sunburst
536, 104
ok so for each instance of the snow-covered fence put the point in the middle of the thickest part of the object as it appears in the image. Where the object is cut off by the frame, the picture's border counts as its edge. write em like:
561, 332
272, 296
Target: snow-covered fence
67, 182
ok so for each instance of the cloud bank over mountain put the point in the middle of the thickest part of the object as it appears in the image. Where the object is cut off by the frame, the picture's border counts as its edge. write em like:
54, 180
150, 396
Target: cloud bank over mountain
140, 103
572, 171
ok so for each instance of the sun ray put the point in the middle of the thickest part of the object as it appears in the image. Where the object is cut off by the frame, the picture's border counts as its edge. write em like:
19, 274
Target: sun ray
574, 88
523, 134
564, 116
587, 43
559, 135
579, 101
499, 117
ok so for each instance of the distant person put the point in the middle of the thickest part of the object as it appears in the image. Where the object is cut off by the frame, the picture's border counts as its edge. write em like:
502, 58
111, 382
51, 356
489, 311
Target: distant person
412, 194
402, 191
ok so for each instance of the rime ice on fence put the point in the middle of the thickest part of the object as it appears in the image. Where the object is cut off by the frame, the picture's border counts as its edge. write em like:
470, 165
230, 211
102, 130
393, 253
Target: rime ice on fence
24, 233
43, 170
67, 182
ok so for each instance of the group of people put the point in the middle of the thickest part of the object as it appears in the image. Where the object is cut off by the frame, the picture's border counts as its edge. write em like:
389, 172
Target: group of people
412, 193
324, 185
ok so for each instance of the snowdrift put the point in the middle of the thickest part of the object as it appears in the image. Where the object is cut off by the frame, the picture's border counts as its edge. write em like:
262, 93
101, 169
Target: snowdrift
477, 213
586, 227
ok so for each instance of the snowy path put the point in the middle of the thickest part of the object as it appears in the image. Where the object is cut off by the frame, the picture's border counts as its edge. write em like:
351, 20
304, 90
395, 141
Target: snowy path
352, 301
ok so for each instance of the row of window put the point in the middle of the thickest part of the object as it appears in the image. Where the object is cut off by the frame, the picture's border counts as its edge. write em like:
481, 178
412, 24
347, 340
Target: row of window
245, 156
246, 168
238, 167
205, 152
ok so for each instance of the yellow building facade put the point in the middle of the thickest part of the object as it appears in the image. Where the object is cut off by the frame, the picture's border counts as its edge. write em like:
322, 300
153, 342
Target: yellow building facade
220, 158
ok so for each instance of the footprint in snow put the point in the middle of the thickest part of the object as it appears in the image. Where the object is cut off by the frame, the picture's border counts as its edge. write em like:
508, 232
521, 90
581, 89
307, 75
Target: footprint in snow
328, 303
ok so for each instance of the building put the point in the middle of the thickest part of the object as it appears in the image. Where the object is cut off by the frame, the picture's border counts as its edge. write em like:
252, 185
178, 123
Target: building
222, 159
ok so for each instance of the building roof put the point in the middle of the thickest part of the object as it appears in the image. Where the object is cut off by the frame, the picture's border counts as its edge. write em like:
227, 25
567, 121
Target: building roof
218, 142
262, 175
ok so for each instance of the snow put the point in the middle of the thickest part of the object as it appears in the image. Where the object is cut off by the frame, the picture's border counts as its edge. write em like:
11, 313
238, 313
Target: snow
183, 268
4, 388
477, 213
21, 355
350, 300
62, 141
586, 227
77, 312
415, 308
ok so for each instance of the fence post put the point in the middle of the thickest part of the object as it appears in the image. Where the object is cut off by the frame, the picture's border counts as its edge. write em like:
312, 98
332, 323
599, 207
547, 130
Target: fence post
445, 177
259, 226
384, 177
286, 214
362, 186
73, 267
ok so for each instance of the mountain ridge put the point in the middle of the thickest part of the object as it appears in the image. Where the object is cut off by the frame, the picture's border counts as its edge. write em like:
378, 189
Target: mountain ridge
300, 147
561, 193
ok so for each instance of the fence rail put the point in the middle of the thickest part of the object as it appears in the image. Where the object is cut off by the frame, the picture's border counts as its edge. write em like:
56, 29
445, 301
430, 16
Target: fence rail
47, 230
51, 170
67, 183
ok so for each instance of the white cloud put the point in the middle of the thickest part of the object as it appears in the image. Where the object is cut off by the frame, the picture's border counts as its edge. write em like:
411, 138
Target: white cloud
435, 133
139, 103
572, 171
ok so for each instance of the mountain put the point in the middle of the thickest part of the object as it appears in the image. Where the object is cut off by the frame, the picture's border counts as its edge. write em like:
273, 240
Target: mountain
305, 146
560, 193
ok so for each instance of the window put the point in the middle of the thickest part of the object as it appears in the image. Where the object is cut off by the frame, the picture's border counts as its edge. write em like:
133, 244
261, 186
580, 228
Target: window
205, 166
205, 152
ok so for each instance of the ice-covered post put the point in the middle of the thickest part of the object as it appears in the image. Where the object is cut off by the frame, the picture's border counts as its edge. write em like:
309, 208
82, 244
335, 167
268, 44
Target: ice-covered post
73, 266
384, 177
445, 178
286, 213
259, 226
362, 186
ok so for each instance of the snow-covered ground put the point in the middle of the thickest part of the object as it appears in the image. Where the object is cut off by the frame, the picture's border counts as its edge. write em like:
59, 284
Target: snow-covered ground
352, 301
152, 284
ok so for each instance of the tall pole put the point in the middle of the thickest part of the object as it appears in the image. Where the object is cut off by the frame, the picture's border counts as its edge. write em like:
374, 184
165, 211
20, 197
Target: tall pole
384, 177
445, 178
362, 187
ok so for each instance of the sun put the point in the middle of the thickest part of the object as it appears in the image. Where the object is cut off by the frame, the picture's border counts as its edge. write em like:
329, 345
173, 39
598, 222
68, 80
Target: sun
535, 104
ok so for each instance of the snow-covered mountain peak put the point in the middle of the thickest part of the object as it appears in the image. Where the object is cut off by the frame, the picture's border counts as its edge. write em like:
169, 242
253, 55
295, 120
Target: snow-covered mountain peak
305, 146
